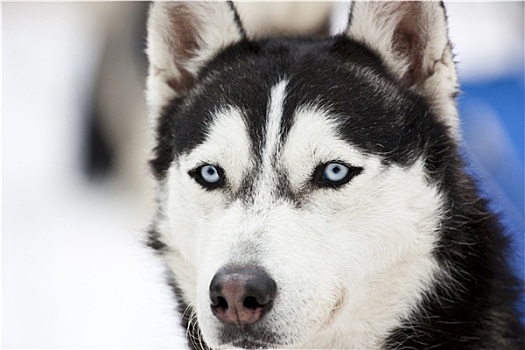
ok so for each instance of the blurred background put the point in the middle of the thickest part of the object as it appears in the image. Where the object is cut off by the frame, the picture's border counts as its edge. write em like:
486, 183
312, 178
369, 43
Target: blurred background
76, 192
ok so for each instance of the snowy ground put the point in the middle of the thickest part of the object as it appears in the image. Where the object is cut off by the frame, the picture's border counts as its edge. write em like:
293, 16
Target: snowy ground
75, 274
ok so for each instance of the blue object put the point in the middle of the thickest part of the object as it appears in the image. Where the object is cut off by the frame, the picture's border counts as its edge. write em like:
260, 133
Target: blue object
492, 114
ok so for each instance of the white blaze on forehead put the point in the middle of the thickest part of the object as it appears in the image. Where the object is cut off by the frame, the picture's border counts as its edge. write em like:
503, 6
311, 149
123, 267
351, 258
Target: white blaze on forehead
273, 140
227, 145
273, 125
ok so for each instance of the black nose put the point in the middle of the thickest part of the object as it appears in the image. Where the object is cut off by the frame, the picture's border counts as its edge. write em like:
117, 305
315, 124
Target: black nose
241, 294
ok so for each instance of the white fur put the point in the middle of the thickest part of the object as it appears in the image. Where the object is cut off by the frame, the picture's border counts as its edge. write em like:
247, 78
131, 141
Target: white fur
266, 181
185, 214
365, 248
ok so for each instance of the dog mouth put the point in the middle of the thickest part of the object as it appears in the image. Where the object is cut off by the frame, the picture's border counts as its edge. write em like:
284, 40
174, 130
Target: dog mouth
260, 336
247, 337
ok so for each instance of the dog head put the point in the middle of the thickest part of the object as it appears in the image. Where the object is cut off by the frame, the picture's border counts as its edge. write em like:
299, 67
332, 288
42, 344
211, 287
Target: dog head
299, 179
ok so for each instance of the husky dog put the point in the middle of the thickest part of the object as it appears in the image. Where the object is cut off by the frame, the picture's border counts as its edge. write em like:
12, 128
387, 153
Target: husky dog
311, 192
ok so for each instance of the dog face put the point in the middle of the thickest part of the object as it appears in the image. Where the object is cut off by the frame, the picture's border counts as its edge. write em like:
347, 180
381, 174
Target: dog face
297, 202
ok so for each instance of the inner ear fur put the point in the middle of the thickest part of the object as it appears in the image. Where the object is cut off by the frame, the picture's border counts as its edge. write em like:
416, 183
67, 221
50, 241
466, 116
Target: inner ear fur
182, 38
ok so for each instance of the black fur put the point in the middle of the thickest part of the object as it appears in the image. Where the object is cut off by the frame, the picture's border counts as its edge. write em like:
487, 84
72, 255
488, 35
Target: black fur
154, 241
317, 70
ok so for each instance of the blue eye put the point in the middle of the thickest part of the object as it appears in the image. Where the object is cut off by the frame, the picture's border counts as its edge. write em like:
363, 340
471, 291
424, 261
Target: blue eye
334, 174
208, 176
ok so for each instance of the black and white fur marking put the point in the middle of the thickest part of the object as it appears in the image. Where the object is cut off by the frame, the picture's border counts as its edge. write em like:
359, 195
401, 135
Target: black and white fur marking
400, 254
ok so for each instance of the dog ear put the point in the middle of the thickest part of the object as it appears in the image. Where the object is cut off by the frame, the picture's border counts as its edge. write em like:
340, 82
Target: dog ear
182, 38
412, 40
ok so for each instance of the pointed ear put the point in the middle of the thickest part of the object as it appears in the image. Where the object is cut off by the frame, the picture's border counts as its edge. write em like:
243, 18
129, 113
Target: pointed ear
182, 38
412, 40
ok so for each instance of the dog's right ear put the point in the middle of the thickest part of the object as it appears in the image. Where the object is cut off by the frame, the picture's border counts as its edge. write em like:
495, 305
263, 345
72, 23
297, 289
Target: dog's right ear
182, 38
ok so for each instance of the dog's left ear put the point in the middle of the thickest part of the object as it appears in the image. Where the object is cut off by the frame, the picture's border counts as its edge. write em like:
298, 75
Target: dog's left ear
412, 40
182, 38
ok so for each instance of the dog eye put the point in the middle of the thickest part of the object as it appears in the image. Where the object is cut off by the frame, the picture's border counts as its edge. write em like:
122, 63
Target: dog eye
209, 176
334, 174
